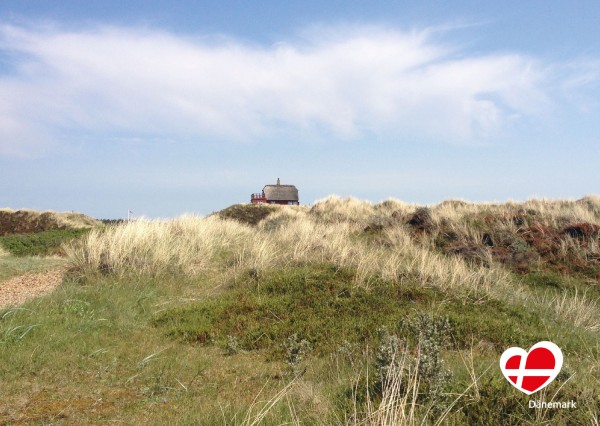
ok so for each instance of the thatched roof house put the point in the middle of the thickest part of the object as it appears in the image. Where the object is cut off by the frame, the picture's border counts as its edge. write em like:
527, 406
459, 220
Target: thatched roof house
277, 194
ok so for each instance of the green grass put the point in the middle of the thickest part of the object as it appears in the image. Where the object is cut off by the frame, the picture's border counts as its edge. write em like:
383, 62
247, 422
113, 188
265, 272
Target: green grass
12, 266
319, 304
44, 243
215, 348
557, 282
139, 350
90, 353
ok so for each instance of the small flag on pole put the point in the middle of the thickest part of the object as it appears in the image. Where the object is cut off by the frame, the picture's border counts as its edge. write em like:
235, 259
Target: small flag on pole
129, 214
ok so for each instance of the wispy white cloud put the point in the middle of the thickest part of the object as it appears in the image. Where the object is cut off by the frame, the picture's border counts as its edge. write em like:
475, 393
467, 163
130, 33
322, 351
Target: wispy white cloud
111, 82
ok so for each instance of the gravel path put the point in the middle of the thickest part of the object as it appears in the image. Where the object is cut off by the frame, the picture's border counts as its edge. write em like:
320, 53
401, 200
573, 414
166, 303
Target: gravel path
17, 290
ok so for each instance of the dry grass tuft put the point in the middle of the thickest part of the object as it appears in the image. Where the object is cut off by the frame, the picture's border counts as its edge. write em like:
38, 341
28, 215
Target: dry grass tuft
494, 274
334, 209
398, 404
186, 245
330, 232
479, 242
577, 309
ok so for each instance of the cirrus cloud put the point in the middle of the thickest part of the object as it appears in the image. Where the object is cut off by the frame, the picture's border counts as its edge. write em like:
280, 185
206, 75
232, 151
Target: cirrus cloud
108, 83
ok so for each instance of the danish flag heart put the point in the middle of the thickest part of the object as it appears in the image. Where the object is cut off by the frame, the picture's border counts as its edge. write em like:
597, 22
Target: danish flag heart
534, 370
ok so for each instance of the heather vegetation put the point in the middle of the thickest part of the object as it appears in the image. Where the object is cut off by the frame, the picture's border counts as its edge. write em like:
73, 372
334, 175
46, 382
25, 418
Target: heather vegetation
29, 221
345, 312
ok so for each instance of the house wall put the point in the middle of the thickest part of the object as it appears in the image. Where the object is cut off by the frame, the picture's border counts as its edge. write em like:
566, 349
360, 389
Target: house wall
285, 202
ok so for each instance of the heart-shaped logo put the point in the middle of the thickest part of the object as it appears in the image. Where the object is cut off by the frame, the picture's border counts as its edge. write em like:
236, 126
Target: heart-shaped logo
534, 370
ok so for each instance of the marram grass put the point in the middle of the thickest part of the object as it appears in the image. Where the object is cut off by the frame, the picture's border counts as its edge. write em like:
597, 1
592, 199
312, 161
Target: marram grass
189, 320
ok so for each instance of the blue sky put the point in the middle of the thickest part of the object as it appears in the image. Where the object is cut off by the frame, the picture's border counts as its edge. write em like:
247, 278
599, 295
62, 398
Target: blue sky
184, 106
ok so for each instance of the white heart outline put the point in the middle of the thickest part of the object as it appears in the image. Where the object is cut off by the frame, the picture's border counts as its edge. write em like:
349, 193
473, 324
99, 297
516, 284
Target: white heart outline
510, 352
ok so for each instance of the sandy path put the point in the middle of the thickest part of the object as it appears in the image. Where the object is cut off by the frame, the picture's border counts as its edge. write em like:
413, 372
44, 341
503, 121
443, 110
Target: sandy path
17, 290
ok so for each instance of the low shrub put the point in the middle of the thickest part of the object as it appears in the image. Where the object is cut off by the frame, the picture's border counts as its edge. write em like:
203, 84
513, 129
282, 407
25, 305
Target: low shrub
41, 243
497, 401
319, 304
249, 214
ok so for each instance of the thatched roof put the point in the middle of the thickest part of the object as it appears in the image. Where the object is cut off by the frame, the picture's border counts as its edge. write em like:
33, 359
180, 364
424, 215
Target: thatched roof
281, 192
